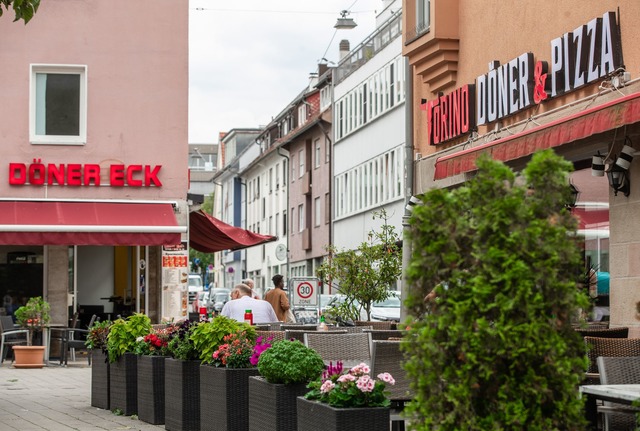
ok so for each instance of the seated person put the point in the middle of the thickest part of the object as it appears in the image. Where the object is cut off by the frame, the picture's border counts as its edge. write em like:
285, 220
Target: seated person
241, 300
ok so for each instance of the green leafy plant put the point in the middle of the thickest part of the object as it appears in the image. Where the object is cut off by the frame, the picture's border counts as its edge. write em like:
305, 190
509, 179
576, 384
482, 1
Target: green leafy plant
34, 315
97, 336
208, 336
494, 283
23, 9
123, 335
353, 388
290, 362
364, 275
181, 346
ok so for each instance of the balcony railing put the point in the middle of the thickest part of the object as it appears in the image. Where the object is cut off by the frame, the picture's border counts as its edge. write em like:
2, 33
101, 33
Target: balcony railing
365, 51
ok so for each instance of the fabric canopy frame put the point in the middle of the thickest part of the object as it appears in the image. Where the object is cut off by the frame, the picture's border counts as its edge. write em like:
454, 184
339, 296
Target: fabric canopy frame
207, 234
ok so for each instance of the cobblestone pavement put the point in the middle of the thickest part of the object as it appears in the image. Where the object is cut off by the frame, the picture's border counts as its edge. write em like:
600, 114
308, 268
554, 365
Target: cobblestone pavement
56, 398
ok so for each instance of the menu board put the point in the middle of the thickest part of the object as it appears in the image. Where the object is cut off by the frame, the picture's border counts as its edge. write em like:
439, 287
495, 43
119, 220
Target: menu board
175, 282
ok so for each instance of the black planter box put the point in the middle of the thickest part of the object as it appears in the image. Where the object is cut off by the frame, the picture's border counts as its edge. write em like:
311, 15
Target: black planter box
151, 394
272, 407
99, 380
181, 395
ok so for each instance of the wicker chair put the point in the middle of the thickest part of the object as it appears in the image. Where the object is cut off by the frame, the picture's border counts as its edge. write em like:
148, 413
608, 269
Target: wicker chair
274, 335
377, 325
384, 334
387, 357
616, 347
621, 332
618, 371
299, 327
299, 334
11, 336
351, 349
354, 329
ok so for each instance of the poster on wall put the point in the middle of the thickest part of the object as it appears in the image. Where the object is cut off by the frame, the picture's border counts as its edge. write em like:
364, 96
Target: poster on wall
175, 282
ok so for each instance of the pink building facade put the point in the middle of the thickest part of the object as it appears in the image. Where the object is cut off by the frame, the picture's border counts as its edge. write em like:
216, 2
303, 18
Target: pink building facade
94, 154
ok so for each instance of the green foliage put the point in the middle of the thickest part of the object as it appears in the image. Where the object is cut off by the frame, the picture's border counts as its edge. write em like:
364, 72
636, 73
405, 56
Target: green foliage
97, 337
23, 9
494, 349
290, 362
35, 314
365, 274
123, 335
208, 336
181, 346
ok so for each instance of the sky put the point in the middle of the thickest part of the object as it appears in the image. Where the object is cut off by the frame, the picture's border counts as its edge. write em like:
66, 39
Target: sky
249, 58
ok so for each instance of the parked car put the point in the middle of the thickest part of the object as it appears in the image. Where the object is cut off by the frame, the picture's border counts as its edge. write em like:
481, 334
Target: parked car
195, 286
219, 297
389, 309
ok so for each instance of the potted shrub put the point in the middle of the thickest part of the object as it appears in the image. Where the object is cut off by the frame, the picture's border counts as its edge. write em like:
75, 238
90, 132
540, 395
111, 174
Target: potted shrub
224, 377
34, 316
97, 342
285, 370
123, 373
152, 349
350, 400
182, 380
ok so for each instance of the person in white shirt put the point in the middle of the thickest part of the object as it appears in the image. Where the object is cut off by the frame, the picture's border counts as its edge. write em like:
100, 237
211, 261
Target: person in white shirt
241, 301
249, 282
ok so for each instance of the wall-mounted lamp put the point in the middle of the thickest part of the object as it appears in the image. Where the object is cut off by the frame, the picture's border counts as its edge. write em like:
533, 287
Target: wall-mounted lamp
574, 196
345, 23
618, 169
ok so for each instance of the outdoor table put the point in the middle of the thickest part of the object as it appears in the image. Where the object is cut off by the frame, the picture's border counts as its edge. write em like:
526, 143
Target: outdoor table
621, 394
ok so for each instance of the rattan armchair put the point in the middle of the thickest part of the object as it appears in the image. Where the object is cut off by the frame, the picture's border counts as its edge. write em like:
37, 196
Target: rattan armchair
609, 347
384, 334
351, 349
274, 335
386, 325
299, 334
620, 332
618, 371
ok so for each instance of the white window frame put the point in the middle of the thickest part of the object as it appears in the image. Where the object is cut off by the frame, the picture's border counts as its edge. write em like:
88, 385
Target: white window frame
301, 221
317, 157
301, 162
74, 69
318, 213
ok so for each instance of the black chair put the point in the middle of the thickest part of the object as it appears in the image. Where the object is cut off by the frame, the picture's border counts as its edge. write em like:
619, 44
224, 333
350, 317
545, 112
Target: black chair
74, 339
10, 336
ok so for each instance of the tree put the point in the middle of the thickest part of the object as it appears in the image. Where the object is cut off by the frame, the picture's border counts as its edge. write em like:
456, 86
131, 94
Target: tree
494, 284
366, 274
23, 9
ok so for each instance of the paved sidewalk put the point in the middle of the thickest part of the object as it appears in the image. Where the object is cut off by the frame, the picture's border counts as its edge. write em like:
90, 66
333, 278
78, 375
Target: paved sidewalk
56, 398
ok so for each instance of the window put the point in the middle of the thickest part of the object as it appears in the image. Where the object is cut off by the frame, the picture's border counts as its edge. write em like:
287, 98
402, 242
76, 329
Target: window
302, 114
293, 168
301, 224
422, 16
317, 156
301, 157
277, 177
327, 150
270, 180
327, 208
277, 225
284, 222
317, 211
293, 214
58, 105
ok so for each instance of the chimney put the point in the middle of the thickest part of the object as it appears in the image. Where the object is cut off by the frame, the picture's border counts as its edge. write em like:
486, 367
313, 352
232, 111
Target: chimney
344, 48
322, 68
313, 80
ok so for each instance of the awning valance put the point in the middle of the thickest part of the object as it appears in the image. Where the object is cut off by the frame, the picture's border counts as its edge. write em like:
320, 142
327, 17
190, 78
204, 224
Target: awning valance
88, 223
208, 234
620, 112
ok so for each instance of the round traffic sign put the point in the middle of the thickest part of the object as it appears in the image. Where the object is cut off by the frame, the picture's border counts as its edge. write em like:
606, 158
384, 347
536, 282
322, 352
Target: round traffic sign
305, 290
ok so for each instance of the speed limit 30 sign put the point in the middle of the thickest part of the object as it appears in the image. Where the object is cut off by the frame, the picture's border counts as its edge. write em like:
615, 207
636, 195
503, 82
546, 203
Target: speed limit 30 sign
305, 291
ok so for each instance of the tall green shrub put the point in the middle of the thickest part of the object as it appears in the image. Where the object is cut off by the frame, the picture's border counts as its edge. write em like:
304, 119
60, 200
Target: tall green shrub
494, 349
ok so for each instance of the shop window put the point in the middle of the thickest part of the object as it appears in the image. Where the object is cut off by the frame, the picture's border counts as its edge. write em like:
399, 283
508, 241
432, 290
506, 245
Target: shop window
58, 105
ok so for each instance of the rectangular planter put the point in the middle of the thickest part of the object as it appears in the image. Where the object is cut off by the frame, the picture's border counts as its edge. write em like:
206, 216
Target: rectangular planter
99, 380
317, 416
224, 398
272, 407
151, 389
181, 395
123, 384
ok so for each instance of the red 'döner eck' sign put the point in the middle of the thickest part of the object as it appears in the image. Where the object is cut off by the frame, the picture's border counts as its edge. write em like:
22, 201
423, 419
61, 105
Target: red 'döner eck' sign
76, 174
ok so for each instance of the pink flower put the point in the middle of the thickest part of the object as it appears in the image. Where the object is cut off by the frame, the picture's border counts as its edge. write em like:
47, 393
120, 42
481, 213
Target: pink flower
346, 378
327, 386
387, 378
365, 383
360, 369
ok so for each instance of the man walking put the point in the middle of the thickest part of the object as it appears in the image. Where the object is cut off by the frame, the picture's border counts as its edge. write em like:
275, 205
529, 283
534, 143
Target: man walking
277, 297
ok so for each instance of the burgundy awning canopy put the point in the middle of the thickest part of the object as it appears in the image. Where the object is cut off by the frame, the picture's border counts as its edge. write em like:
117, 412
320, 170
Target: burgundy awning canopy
208, 234
620, 112
88, 223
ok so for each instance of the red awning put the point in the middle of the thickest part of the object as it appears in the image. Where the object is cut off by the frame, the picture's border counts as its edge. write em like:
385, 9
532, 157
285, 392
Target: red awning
592, 218
622, 111
88, 223
208, 234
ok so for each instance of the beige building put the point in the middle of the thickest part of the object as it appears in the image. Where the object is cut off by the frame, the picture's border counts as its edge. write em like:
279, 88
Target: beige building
510, 78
